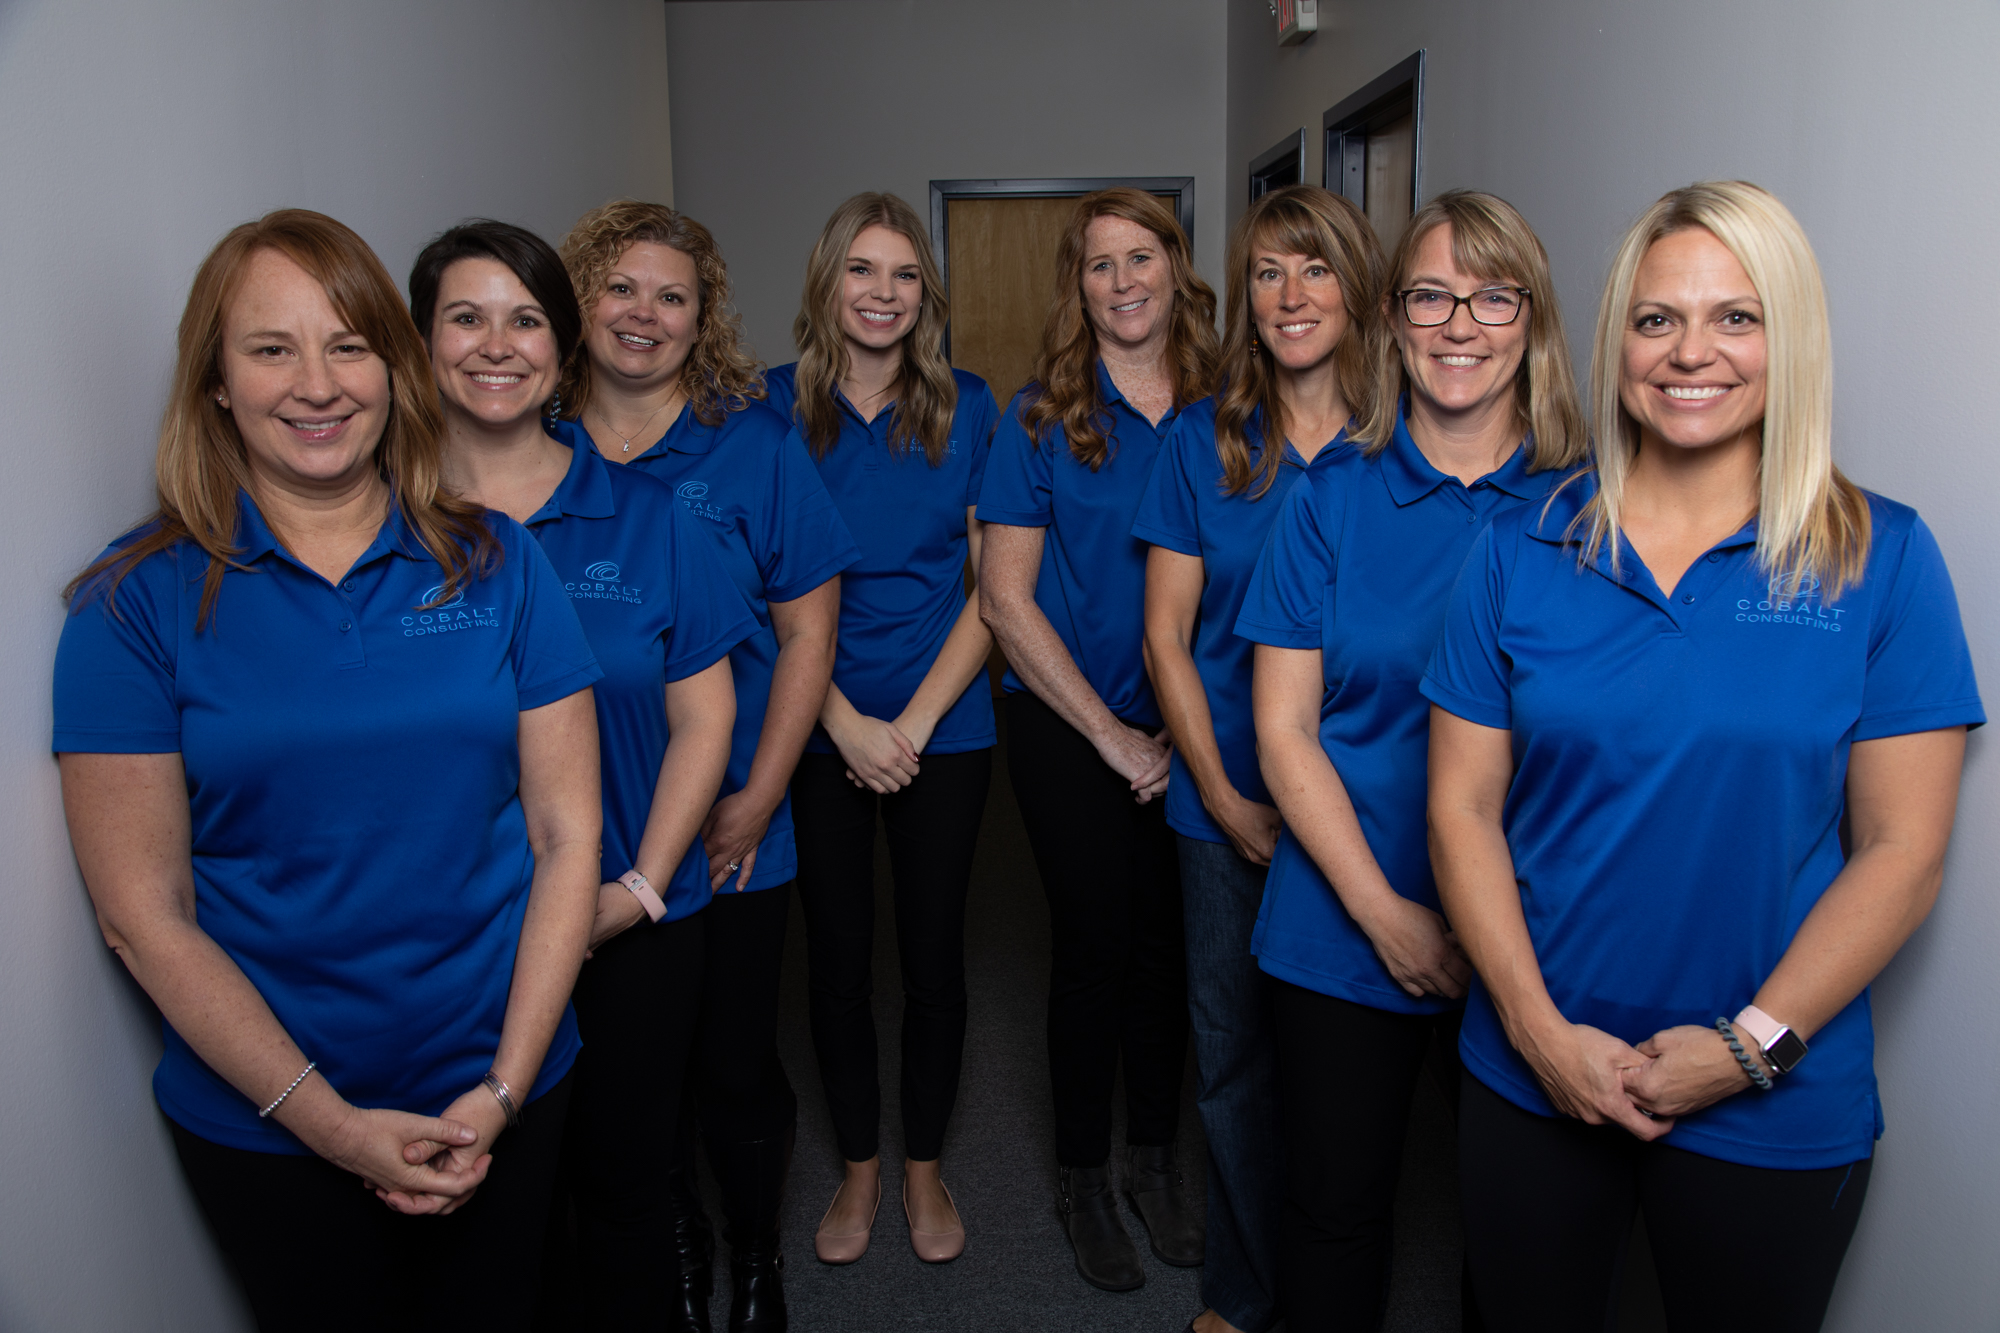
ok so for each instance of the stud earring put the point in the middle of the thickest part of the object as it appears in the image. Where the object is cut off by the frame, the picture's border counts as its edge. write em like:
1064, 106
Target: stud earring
222, 402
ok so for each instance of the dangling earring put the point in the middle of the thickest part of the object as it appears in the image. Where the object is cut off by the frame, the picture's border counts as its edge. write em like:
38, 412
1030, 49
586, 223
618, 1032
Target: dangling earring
554, 409
1254, 349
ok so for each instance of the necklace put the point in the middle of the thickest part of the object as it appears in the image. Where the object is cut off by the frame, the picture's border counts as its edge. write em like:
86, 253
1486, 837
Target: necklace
642, 425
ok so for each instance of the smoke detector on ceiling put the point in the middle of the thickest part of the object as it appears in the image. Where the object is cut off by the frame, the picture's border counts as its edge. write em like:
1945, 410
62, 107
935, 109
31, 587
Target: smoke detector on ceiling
1297, 20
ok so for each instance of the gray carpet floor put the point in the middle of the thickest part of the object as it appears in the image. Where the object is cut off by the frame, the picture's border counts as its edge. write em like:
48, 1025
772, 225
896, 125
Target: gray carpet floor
1017, 1271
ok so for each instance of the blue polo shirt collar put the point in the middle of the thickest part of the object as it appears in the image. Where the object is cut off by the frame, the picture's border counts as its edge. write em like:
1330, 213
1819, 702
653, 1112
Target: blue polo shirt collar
1108, 392
254, 535
584, 491
1410, 476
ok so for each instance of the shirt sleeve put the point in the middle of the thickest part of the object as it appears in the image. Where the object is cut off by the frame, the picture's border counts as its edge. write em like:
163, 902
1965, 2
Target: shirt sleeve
1167, 511
1919, 667
710, 613
1469, 675
1287, 592
979, 413
797, 536
114, 679
552, 659
781, 390
1020, 477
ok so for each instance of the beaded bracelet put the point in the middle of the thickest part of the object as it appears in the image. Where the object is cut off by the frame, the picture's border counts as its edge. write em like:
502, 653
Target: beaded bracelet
1757, 1076
266, 1112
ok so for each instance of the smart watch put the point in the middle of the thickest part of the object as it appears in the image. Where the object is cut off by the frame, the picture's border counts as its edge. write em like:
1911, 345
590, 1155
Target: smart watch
642, 889
1781, 1046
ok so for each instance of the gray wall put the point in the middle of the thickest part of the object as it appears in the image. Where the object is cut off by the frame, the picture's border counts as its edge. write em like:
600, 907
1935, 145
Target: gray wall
136, 133
1878, 126
786, 108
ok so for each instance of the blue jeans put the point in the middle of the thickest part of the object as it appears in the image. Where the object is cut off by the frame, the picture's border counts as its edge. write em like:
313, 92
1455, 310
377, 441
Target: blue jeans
1229, 1002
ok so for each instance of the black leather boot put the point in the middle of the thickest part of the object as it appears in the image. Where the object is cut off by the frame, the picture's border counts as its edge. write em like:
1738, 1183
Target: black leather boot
1105, 1255
1157, 1193
752, 1176
694, 1247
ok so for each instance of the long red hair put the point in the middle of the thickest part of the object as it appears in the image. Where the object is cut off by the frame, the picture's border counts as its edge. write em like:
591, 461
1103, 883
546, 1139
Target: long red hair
1064, 391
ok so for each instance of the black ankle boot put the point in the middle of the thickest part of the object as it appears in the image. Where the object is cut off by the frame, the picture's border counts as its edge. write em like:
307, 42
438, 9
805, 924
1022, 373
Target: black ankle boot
752, 1176
694, 1247
1158, 1195
757, 1274
1105, 1255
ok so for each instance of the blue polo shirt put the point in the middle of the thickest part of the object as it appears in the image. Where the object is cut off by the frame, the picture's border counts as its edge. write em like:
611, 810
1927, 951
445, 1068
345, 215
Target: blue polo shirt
1361, 566
353, 773
657, 606
749, 484
899, 602
1680, 782
1092, 584
1187, 509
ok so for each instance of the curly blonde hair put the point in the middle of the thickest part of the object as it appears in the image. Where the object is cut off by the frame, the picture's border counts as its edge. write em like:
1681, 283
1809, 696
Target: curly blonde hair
719, 375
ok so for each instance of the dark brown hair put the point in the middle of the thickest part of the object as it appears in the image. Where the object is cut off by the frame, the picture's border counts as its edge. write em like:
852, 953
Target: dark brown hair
1064, 391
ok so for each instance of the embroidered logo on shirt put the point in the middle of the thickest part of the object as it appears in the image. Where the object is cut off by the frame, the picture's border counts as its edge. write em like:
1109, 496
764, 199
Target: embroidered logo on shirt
1790, 599
600, 584
694, 494
452, 615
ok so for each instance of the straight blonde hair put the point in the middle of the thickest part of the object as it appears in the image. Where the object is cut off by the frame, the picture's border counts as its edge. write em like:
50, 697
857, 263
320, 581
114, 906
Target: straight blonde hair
1812, 522
926, 391
1064, 391
1297, 220
1490, 238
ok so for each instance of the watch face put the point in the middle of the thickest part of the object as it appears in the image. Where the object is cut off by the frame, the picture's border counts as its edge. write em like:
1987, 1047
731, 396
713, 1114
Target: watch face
1786, 1052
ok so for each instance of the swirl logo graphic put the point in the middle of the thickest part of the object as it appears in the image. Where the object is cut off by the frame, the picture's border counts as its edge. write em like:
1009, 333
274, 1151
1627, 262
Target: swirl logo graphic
692, 490
603, 571
457, 598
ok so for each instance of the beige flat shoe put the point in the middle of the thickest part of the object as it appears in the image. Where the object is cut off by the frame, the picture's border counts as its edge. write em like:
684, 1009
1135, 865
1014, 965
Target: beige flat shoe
936, 1247
844, 1247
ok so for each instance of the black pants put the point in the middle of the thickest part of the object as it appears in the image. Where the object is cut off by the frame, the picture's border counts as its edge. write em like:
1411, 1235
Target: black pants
1548, 1214
1346, 1074
746, 1104
637, 1004
1117, 975
315, 1250
932, 826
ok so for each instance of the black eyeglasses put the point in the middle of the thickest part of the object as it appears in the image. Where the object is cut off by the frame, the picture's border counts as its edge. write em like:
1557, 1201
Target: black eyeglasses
1427, 307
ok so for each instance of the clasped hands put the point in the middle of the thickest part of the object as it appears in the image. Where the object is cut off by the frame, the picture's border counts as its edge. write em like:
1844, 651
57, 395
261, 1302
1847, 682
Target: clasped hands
419, 1165
1592, 1075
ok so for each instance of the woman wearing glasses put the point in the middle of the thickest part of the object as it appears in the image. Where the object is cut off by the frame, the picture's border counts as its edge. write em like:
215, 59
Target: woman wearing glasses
1474, 412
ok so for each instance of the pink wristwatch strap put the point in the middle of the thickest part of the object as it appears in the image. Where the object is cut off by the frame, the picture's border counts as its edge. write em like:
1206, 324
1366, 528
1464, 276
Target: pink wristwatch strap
1760, 1025
642, 889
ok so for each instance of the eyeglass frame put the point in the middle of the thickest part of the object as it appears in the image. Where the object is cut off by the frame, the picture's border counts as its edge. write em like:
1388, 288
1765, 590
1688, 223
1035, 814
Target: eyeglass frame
1403, 300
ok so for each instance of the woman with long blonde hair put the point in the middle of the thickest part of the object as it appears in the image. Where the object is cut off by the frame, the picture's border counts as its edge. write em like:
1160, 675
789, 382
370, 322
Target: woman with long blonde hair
901, 441
1304, 269
1128, 344
1699, 721
330, 767
1470, 412
663, 384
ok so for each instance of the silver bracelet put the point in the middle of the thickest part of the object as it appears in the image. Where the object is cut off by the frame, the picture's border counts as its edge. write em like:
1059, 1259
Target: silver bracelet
310, 1066
505, 1096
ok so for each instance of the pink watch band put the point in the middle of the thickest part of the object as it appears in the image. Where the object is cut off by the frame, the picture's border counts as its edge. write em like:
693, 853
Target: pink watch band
642, 889
1759, 1025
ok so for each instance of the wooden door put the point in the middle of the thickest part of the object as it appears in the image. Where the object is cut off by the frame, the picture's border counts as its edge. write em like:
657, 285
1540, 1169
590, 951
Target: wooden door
1002, 259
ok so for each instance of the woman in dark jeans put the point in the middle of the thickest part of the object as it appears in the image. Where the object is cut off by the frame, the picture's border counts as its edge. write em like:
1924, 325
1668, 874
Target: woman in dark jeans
901, 441
1303, 270
1129, 342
